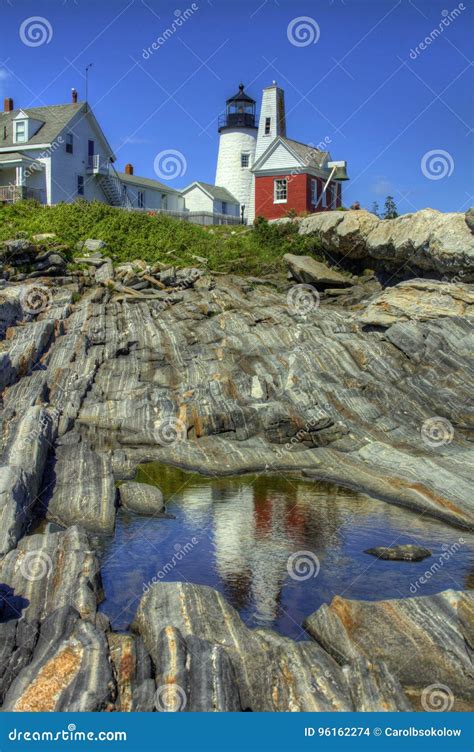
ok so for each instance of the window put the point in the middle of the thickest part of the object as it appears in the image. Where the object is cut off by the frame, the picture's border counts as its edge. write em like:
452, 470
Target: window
267, 126
224, 207
69, 143
324, 199
164, 200
280, 191
141, 199
245, 159
20, 132
314, 191
80, 185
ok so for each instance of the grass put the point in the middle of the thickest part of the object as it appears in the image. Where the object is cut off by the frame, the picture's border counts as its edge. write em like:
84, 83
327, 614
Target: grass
159, 238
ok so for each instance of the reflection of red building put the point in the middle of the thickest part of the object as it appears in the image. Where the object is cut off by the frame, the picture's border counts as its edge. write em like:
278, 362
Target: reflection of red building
290, 175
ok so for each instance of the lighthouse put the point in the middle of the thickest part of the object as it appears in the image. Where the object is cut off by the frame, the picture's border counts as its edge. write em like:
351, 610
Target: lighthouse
237, 143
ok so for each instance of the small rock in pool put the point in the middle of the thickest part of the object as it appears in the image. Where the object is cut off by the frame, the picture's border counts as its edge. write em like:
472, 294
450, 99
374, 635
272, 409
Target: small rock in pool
142, 499
407, 552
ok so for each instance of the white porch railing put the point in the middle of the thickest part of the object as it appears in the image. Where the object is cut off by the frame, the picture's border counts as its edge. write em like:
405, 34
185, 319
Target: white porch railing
94, 164
11, 193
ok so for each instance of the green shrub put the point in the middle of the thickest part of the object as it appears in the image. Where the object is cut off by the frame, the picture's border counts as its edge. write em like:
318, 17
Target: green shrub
158, 237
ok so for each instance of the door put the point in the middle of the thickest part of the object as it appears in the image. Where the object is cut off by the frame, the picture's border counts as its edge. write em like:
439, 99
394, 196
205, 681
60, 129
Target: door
90, 154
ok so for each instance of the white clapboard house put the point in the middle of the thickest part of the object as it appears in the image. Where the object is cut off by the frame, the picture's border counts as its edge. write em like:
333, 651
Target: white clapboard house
60, 153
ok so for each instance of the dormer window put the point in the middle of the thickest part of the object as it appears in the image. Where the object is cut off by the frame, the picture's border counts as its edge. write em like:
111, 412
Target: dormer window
19, 136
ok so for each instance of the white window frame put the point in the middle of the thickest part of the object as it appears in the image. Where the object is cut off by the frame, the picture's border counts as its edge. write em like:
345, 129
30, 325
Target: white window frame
245, 156
24, 134
280, 185
314, 191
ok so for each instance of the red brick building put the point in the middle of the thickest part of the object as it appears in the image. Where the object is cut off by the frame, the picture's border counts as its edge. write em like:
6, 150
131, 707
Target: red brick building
290, 175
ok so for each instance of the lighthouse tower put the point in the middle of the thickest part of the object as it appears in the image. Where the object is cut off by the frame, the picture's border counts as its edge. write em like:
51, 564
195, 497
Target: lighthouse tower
237, 142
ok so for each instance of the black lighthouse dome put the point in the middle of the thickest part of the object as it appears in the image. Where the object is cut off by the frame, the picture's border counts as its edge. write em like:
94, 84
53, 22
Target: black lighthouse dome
240, 111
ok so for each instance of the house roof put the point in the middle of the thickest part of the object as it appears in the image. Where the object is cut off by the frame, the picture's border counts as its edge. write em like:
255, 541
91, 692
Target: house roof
145, 182
241, 96
216, 192
16, 156
309, 156
54, 118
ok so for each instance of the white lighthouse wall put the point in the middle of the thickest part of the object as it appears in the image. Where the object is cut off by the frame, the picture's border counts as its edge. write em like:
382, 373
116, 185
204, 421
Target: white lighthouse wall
230, 174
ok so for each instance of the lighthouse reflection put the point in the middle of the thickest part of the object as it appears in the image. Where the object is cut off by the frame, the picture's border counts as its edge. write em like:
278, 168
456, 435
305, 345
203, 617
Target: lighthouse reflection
276, 547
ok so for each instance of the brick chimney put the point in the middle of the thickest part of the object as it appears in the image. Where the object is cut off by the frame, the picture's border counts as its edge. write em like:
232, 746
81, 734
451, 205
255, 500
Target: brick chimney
74, 96
8, 104
129, 169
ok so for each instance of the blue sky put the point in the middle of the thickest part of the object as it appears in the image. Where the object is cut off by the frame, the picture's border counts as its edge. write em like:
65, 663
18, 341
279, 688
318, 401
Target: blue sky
401, 117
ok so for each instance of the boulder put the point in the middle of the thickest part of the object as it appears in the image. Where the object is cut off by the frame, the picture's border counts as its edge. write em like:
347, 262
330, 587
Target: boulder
422, 640
92, 245
418, 299
428, 240
469, 218
142, 498
405, 552
309, 271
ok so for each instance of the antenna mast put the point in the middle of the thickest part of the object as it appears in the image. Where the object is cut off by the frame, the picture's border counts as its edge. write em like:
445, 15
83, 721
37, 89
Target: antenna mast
87, 80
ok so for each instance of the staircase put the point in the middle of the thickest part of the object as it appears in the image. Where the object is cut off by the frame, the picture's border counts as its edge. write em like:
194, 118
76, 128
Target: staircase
109, 182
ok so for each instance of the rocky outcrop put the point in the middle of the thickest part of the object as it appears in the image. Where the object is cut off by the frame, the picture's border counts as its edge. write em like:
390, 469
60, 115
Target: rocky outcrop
22, 474
428, 241
223, 375
419, 300
84, 489
424, 641
206, 659
53, 654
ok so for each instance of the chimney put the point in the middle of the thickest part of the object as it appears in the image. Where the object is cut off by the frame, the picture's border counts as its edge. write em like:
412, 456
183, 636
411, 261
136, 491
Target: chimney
8, 104
74, 96
129, 169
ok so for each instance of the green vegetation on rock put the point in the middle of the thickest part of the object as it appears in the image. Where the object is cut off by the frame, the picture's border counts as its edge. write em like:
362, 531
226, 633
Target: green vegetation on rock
159, 238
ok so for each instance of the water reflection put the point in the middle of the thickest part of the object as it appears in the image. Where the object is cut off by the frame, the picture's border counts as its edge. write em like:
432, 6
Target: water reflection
247, 527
